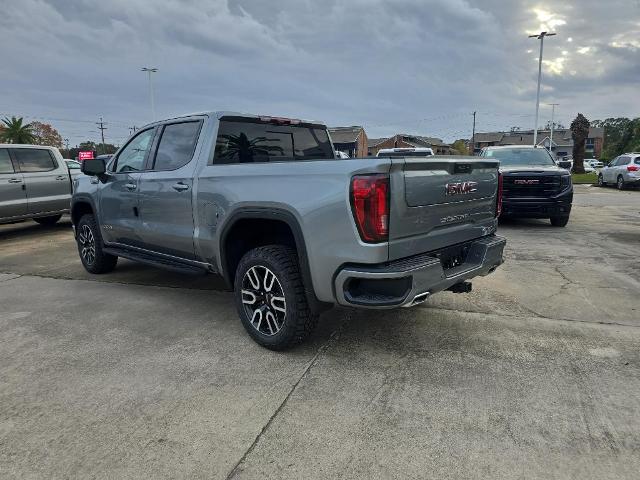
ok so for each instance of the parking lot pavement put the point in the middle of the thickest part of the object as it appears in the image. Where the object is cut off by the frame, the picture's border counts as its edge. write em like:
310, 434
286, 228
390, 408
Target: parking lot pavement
535, 374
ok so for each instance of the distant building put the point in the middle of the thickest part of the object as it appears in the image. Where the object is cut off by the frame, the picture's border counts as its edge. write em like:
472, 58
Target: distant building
350, 140
562, 145
403, 140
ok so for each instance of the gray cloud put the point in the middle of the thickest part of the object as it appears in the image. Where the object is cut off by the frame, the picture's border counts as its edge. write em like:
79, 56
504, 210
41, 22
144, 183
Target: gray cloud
391, 65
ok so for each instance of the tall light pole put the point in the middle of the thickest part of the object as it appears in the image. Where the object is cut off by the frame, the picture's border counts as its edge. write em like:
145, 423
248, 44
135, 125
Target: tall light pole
541, 38
149, 71
553, 111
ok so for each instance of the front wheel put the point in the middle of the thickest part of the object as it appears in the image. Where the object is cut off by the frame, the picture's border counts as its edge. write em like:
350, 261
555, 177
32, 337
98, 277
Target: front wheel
50, 220
620, 183
601, 181
559, 221
270, 298
89, 240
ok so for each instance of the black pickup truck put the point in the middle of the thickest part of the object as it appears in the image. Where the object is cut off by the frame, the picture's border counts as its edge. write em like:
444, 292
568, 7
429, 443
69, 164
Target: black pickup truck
533, 185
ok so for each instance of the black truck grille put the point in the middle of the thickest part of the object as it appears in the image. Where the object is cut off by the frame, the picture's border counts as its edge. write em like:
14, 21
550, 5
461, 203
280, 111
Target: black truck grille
531, 186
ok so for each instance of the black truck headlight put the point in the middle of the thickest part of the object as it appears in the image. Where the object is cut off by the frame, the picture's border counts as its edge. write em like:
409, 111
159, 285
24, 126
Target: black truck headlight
565, 181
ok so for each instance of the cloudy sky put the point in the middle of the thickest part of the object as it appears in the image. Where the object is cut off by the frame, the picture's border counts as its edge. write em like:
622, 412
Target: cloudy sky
414, 66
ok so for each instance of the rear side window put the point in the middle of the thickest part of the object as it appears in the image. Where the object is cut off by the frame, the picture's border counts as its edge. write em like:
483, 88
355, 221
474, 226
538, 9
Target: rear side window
623, 160
5, 161
637, 161
34, 160
255, 142
176, 146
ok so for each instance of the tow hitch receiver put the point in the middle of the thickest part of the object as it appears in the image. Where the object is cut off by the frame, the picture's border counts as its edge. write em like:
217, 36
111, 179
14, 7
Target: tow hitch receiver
462, 287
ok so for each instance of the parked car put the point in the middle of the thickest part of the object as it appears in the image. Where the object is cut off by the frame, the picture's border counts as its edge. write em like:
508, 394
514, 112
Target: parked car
263, 202
533, 185
595, 163
341, 155
567, 164
34, 183
405, 152
73, 166
623, 171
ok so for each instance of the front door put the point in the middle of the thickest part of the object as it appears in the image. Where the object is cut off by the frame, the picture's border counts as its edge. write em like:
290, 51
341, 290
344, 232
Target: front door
47, 184
166, 191
13, 196
119, 215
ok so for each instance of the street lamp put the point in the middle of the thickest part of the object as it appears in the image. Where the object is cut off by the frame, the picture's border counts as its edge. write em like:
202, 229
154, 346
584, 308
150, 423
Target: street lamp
541, 38
149, 71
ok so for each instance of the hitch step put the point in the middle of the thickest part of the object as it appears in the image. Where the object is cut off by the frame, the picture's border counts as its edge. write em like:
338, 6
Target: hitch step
462, 287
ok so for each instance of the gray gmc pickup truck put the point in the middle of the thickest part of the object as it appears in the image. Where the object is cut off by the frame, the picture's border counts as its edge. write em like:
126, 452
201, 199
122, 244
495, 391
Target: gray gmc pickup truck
264, 202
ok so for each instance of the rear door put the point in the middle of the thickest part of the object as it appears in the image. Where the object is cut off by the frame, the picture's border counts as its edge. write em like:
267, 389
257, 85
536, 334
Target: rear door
46, 180
446, 200
166, 191
13, 197
119, 215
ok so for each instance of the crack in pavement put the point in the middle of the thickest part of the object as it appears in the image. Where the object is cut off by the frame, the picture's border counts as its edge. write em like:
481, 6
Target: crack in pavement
334, 336
535, 315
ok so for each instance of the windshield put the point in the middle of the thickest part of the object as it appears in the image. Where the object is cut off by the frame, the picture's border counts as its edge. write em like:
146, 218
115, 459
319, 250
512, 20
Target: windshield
520, 156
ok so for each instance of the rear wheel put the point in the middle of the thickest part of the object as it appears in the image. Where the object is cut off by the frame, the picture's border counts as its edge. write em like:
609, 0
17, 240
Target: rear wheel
270, 298
51, 220
559, 221
620, 183
89, 240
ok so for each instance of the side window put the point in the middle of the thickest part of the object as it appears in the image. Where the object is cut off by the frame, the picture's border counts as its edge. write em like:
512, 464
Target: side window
637, 161
623, 161
5, 161
131, 158
177, 145
32, 160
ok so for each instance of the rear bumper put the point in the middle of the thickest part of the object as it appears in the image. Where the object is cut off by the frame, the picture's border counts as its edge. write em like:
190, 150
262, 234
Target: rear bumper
409, 281
538, 207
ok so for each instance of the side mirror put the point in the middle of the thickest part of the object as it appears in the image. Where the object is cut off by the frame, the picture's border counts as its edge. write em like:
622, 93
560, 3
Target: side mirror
93, 167
564, 164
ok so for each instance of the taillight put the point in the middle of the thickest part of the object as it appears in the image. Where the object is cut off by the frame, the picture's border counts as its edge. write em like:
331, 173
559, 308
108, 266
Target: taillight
370, 205
499, 196
632, 168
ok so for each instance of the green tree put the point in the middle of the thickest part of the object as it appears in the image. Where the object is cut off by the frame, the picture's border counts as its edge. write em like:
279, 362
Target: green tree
15, 131
460, 147
579, 133
621, 135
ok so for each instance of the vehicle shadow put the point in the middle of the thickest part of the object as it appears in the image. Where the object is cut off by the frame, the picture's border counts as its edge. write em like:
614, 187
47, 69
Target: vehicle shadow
524, 222
29, 228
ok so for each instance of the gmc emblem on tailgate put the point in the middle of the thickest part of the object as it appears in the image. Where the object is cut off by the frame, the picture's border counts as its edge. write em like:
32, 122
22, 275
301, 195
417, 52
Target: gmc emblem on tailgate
460, 188
526, 182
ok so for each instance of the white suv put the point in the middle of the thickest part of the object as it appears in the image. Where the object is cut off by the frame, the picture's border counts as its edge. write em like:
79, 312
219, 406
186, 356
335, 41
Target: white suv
622, 171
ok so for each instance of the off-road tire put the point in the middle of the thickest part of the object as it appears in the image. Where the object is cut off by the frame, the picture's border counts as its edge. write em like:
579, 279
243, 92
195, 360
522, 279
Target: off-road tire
559, 221
100, 262
620, 183
299, 321
50, 220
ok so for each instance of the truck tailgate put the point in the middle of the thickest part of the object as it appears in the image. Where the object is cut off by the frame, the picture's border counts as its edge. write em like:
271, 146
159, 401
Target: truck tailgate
444, 201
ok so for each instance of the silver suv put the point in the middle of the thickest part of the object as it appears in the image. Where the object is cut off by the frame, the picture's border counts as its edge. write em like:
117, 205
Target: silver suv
622, 171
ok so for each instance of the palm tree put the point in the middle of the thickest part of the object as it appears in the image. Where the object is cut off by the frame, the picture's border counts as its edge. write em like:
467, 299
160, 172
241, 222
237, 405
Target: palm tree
246, 149
15, 132
579, 133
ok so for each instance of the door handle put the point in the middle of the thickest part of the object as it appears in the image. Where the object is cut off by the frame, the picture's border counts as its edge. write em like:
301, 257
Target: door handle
61, 177
14, 180
180, 187
130, 186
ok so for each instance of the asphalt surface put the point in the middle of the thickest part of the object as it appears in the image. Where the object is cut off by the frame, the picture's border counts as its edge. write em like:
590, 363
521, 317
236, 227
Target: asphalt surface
144, 373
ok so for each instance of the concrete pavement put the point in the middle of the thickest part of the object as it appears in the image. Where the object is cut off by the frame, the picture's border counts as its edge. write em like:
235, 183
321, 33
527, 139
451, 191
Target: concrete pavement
535, 374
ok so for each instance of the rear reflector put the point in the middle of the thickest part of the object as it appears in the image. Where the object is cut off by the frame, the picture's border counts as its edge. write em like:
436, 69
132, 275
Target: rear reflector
632, 168
499, 196
370, 206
